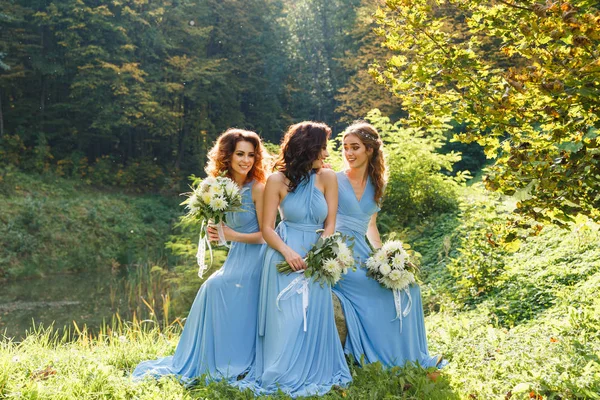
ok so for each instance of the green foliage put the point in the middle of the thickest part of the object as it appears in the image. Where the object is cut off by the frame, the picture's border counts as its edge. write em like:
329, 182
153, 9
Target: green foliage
156, 83
522, 79
418, 186
480, 259
534, 330
51, 225
361, 93
517, 281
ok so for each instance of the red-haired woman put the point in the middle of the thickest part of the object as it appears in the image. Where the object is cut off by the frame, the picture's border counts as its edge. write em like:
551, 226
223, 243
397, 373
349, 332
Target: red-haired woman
219, 337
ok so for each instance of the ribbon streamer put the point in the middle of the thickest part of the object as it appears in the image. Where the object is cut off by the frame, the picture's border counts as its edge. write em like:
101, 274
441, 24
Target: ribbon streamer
203, 243
298, 286
398, 304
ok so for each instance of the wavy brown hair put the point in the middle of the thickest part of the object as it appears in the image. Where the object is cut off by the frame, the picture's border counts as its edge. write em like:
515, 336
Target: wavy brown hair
377, 169
300, 147
219, 157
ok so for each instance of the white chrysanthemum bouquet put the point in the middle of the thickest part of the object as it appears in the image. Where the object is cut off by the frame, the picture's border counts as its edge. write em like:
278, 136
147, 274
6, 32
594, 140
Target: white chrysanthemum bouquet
210, 199
391, 267
328, 259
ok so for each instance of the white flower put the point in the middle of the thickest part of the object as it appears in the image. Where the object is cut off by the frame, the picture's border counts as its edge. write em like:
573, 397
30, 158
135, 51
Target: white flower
347, 260
344, 254
385, 269
398, 279
206, 198
343, 250
218, 203
344, 271
192, 204
231, 189
399, 259
395, 275
331, 266
392, 246
372, 264
380, 257
216, 190
203, 187
206, 184
210, 181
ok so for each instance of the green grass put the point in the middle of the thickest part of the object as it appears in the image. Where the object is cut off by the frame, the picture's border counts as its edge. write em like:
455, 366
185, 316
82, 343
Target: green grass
50, 224
45, 366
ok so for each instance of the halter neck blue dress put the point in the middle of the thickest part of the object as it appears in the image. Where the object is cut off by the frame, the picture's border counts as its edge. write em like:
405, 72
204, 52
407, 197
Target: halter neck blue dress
373, 330
219, 337
298, 348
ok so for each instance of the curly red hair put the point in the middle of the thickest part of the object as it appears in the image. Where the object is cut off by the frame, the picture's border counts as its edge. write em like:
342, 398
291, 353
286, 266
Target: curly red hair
219, 157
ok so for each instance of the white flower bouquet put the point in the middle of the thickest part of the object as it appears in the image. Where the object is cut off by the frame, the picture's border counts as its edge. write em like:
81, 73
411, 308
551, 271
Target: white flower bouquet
391, 267
328, 259
210, 199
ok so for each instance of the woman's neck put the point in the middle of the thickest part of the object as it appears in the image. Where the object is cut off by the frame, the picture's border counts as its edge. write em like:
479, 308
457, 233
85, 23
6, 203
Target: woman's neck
239, 179
358, 174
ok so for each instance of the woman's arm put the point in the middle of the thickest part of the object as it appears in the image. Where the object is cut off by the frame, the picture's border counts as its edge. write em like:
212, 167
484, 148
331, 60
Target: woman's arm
275, 190
373, 232
330, 189
235, 236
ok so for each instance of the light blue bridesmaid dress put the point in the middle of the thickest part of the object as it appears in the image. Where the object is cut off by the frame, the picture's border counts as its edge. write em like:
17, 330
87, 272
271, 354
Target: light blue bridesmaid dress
298, 349
219, 335
374, 332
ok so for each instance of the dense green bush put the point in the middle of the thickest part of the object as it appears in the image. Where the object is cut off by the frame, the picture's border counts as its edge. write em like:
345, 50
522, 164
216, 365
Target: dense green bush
479, 259
420, 184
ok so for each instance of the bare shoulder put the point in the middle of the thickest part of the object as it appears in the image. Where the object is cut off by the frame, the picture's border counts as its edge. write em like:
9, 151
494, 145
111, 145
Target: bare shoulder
276, 177
326, 175
258, 188
276, 181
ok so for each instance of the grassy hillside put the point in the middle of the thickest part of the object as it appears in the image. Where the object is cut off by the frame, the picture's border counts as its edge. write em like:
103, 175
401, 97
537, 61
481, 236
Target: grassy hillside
50, 225
522, 324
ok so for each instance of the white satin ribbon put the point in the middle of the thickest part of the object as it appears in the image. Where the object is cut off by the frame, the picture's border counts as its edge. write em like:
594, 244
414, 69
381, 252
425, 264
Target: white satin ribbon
298, 286
203, 243
398, 304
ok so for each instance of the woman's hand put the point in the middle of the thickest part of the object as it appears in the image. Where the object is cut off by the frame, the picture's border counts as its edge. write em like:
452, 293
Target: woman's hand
213, 234
294, 260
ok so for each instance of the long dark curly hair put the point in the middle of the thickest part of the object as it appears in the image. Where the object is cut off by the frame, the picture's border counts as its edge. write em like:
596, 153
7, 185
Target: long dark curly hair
377, 169
219, 157
300, 147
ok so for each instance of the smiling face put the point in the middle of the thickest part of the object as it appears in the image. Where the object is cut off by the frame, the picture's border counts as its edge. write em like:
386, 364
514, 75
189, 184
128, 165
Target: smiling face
242, 159
318, 163
355, 152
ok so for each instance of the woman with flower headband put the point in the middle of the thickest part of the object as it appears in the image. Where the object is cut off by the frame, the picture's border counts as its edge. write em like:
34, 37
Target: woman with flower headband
219, 339
375, 331
298, 349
